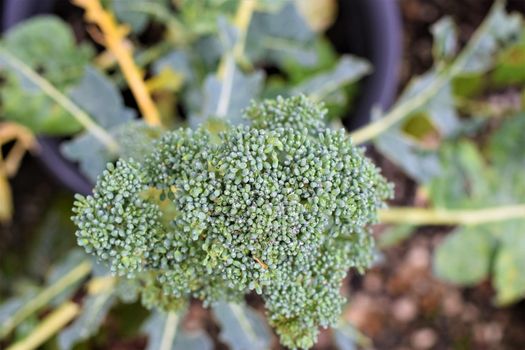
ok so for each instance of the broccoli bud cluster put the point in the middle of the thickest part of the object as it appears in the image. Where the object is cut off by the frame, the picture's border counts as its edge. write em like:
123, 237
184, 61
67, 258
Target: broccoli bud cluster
280, 207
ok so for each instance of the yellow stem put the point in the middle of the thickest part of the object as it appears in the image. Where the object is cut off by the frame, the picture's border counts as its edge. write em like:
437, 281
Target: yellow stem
242, 21
40, 300
48, 327
437, 216
114, 39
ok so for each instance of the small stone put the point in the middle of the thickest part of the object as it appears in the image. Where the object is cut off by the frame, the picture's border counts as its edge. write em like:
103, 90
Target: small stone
404, 309
418, 258
424, 338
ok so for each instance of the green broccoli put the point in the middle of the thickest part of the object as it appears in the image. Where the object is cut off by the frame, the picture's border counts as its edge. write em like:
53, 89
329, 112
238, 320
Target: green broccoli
280, 207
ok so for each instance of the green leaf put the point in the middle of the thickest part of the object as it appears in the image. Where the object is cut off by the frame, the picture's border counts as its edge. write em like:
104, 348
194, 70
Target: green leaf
420, 164
465, 256
45, 44
137, 13
192, 340
465, 180
94, 311
509, 275
395, 235
241, 327
98, 96
349, 69
509, 67
501, 29
135, 139
275, 37
227, 97
445, 43
161, 329
61, 268
345, 338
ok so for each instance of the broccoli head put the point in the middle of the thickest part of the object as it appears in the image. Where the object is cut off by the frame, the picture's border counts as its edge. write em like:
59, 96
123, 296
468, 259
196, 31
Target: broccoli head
280, 207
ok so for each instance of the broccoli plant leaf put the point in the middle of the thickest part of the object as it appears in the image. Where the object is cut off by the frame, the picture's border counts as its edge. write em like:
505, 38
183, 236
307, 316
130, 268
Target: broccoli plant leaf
192, 340
94, 310
98, 96
416, 162
137, 13
509, 277
161, 329
135, 139
274, 37
498, 30
349, 69
501, 29
469, 180
61, 268
444, 33
45, 44
229, 96
241, 327
452, 264
345, 337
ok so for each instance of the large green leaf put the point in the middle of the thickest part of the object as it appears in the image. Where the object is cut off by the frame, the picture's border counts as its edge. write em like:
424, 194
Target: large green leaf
275, 37
348, 70
94, 310
135, 139
161, 329
465, 179
465, 256
509, 273
227, 97
241, 327
45, 44
98, 96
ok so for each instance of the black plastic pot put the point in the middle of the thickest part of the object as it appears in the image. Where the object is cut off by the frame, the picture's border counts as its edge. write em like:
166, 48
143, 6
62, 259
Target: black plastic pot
367, 28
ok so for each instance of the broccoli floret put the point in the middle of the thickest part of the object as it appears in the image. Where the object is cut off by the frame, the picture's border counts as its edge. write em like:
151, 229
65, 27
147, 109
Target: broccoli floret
280, 207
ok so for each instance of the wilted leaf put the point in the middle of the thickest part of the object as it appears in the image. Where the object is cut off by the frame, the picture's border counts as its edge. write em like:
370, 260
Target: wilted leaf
93, 312
465, 256
509, 67
6, 204
241, 327
178, 61
422, 129
319, 14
